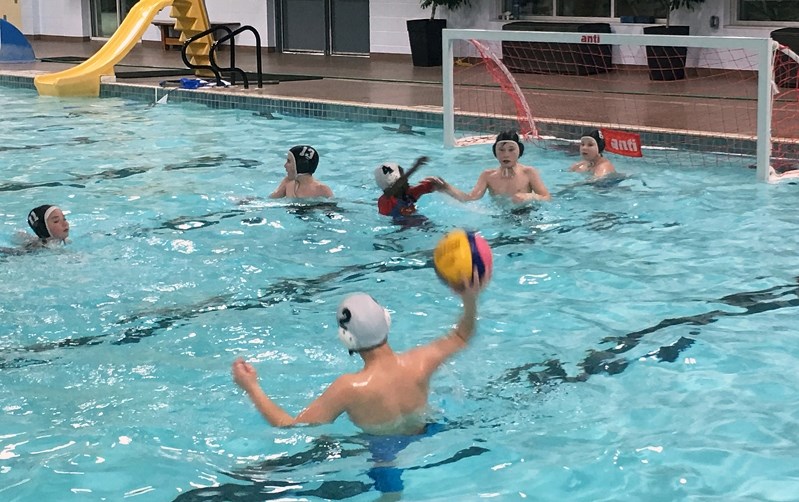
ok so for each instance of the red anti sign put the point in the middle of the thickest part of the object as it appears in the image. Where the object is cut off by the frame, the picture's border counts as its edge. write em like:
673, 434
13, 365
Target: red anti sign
622, 143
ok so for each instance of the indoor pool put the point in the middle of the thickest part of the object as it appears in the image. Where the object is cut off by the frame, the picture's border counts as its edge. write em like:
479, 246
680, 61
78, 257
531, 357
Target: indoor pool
637, 342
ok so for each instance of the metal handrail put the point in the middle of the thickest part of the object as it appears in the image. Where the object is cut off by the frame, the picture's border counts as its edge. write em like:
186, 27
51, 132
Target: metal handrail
231, 36
192, 66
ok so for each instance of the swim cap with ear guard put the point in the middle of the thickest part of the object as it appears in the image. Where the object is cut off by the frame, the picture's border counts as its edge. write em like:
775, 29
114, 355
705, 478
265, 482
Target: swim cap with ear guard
508, 136
37, 219
306, 158
387, 174
363, 323
596, 134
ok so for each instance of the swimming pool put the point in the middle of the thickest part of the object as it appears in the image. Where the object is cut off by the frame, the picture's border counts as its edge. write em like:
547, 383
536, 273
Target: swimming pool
636, 342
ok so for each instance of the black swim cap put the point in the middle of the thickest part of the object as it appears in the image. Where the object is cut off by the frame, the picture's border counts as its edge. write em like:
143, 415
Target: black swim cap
306, 158
509, 135
37, 219
597, 135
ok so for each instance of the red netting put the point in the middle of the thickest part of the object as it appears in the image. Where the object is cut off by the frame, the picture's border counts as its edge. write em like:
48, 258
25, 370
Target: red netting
695, 100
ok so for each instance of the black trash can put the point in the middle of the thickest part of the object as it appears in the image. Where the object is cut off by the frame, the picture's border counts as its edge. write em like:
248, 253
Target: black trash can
786, 70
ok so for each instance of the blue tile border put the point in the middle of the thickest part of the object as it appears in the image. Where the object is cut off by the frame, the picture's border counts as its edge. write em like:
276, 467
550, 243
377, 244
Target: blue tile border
260, 104
377, 114
283, 106
17, 81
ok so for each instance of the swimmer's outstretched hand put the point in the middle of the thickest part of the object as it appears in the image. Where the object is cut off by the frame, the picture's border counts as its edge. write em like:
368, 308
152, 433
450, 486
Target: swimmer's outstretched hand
437, 182
244, 374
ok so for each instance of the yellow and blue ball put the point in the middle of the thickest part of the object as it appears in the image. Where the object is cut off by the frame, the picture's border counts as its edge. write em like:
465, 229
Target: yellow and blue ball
458, 254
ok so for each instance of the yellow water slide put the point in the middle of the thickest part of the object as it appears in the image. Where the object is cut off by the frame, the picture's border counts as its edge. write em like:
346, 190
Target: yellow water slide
190, 16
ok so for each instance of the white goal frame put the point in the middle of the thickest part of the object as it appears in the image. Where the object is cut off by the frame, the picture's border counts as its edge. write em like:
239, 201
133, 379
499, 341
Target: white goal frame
763, 48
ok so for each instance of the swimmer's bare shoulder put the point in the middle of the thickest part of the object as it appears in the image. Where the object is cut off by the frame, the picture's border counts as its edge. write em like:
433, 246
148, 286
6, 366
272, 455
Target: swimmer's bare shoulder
579, 167
324, 191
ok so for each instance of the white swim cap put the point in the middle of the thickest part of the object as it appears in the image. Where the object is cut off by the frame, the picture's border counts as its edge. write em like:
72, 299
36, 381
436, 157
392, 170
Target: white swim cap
363, 323
387, 174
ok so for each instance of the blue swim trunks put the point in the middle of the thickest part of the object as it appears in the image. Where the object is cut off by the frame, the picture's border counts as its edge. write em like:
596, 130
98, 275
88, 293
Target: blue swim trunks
384, 449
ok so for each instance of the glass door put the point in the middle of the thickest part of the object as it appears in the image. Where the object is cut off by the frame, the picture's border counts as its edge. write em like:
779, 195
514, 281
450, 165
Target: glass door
107, 15
349, 27
304, 25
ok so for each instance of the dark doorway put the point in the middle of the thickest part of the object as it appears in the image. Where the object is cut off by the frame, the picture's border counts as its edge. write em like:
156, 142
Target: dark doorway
324, 26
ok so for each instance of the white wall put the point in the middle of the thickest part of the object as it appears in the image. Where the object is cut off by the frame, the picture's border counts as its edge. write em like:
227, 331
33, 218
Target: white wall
387, 19
389, 33
251, 12
66, 18
30, 18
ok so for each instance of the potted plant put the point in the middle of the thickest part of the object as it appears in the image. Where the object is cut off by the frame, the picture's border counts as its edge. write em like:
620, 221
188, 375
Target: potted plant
668, 63
425, 34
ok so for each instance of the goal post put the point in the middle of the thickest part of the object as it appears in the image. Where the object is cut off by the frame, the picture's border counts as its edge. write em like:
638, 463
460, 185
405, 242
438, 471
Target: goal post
574, 81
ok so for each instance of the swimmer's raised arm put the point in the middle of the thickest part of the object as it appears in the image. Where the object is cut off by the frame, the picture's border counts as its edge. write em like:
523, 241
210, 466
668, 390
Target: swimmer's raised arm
435, 353
325, 409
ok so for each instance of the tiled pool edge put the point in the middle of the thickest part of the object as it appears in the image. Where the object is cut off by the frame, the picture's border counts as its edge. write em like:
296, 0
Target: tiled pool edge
17, 81
295, 107
218, 99
362, 112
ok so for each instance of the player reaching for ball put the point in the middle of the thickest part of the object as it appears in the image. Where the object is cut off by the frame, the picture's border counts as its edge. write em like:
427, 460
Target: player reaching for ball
388, 396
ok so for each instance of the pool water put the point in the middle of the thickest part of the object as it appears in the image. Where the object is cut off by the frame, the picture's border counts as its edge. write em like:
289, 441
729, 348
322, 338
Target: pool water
636, 342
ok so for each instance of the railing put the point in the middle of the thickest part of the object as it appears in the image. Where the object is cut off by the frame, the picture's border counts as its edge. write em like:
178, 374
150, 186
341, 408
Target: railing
231, 34
232, 70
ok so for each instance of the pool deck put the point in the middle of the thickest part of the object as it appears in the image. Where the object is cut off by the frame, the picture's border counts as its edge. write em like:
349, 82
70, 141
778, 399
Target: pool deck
385, 79
391, 81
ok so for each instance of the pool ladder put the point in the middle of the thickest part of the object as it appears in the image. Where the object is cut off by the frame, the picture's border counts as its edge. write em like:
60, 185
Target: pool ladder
232, 71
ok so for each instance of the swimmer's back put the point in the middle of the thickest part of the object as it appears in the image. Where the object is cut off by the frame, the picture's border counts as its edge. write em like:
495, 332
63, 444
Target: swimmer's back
405, 425
391, 398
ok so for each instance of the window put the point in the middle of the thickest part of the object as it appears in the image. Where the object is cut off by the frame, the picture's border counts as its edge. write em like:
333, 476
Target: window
768, 11
641, 8
107, 15
586, 8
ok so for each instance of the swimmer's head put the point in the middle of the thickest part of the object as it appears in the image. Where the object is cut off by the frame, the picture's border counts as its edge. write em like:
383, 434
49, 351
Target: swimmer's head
306, 158
596, 135
511, 136
362, 323
48, 221
387, 174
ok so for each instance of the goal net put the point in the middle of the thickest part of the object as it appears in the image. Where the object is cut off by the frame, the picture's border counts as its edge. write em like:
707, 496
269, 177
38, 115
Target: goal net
717, 101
